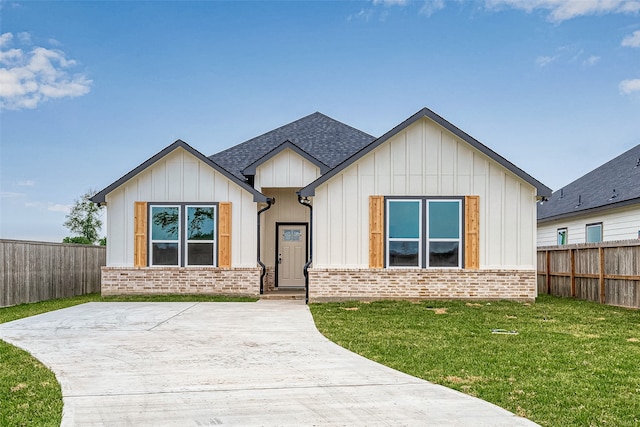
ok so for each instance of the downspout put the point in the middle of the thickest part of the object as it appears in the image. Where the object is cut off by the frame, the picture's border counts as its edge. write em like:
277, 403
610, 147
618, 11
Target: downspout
270, 202
305, 201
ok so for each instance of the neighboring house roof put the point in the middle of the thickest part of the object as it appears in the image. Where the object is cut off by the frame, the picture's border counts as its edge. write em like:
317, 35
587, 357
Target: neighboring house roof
542, 190
324, 139
614, 184
100, 197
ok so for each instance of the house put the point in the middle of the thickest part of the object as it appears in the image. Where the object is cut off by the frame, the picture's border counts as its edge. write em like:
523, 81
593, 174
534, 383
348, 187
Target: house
602, 205
424, 211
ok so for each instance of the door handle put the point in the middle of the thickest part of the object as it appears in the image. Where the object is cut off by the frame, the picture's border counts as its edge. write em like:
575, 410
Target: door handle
279, 258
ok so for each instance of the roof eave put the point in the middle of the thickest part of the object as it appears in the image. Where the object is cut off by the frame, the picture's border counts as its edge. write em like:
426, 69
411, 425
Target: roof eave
589, 211
541, 189
100, 197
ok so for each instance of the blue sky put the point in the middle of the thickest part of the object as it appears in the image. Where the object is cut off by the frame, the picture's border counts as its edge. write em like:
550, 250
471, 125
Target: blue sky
89, 90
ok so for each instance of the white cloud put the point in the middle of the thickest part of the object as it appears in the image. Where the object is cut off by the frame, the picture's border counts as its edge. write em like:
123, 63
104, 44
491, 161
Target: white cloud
10, 195
27, 79
632, 40
5, 39
562, 10
591, 61
630, 86
543, 61
27, 183
59, 208
24, 38
391, 2
364, 14
432, 6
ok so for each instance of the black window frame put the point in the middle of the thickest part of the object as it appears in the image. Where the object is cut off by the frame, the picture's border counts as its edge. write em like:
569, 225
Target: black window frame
182, 235
424, 238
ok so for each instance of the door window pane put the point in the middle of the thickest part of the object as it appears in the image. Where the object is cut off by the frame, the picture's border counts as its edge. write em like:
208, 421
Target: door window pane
200, 223
443, 254
404, 254
404, 219
291, 235
444, 219
165, 222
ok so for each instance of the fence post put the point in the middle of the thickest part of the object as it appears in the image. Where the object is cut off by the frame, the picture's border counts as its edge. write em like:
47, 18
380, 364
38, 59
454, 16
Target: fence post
573, 272
548, 256
601, 274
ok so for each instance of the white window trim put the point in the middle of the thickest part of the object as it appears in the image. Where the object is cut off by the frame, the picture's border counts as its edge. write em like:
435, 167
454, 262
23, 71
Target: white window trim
586, 232
566, 234
214, 241
458, 240
404, 239
152, 240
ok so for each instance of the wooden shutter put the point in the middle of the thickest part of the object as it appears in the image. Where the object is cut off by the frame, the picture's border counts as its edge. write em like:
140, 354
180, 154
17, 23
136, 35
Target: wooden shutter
472, 232
140, 234
376, 231
224, 234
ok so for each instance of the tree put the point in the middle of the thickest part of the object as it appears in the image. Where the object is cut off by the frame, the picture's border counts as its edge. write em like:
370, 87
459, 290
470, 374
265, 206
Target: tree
84, 219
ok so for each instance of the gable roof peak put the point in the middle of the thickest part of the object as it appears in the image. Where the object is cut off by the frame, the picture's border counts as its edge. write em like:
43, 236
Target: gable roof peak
324, 139
541, 189
100, 197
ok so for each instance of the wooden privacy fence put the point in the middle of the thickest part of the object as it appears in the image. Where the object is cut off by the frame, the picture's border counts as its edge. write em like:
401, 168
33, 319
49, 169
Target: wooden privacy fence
607, 272
37, 271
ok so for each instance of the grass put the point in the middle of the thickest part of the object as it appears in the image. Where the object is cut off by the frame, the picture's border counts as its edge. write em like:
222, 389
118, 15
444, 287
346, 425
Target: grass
571, 363
30, 395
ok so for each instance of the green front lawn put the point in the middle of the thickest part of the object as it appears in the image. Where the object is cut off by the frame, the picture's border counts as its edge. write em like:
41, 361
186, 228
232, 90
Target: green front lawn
571, 363
567, 362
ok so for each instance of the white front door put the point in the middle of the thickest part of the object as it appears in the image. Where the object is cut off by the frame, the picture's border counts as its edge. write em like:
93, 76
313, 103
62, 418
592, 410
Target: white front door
292, 254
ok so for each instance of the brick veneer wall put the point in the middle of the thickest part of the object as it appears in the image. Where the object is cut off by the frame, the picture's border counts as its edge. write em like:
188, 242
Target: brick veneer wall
373, 284
180, 280
270, 279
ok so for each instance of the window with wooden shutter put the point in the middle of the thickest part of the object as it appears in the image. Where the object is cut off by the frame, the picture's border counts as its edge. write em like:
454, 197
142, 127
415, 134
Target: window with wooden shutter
140, 234
472, 232
376, 231
224, 234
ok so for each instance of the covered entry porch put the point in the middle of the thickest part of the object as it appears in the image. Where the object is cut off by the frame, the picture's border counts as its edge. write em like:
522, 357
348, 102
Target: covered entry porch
284, 241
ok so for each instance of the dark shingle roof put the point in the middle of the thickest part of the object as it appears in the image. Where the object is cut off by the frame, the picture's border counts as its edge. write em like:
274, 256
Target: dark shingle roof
321, 137
595, 190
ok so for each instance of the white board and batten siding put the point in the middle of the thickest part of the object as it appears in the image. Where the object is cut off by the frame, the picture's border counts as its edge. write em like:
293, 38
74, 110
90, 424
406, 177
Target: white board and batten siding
179, 177
617, 224
426, 160
286, 169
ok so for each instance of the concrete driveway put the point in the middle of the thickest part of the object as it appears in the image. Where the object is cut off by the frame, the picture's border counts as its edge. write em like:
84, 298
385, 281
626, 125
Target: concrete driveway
248, 364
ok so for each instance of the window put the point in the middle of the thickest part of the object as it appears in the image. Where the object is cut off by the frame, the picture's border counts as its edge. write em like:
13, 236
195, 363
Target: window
562, 236
165, 235
404, 243
200, 226
178, 242
424, 232
594, 233
444, 231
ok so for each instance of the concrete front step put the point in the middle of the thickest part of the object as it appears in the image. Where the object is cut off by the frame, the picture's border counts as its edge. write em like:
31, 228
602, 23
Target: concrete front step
284, 294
